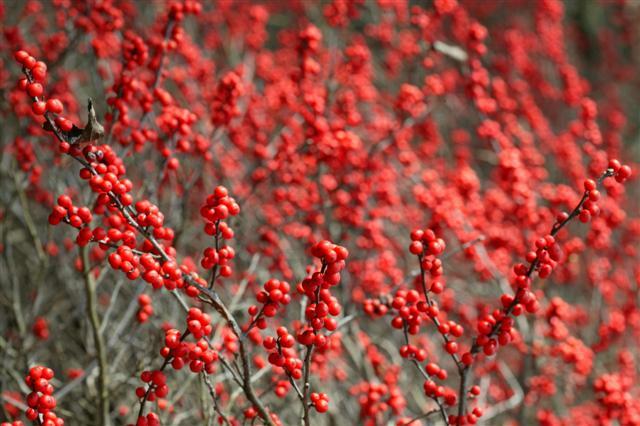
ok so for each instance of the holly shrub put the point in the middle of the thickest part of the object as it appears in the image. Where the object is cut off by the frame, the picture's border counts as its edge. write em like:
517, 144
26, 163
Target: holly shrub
348, 212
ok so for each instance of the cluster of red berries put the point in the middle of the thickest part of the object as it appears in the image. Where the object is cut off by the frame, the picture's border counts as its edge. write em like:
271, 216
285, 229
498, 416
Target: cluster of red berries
218, 207
424, 242
433, 390
218, 257
547, 253
320, 401
149, 215
199, 323
475, 39
621, 172
157, 382
410, 100
41, 328
167, 274
106, 175
376, 307
178, 352
589, 207
251, 413
225, 99
410, 306
65, 211
496, 329
78, 217
125, 260
309, 43
487, 325
199, 355
321, 304
468, 419
317, 289
41, 401
34, 88
151, 419
36, 72
614, 391
180, 8
134, 50
145, 308
283, 355
333, 256
376, 398
410, 310
317, 313
273, 294
153, 273
434, 370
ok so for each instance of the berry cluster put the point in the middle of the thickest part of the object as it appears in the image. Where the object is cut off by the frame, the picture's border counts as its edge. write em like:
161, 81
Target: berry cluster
198, 323
621, 172
614, 394
199, 355
66, 212
320, 401
376, 398
78, 217
433, 390
41, 401
224, 106
547, 253
273, 294
346, 126
124, 259
157, 385
470, 418
410, 101
151, 419
35, 74
424, 243
318, 310
105, 173
487, 325
41, 328
589, 207
218, 207
283, 355
178, 352
377, 307
149, 215
145, 308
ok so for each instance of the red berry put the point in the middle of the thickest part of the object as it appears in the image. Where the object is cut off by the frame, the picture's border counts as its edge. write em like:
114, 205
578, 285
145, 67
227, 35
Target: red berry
416, 248
35, 89
54, 106
589, 185
39, 108
39, 72
625, 172
584, 216
451, 347
322, 406
614, 165
29, 62
21, 56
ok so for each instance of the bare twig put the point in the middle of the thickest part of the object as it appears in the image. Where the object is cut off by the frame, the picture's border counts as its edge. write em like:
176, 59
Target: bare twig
98, 340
